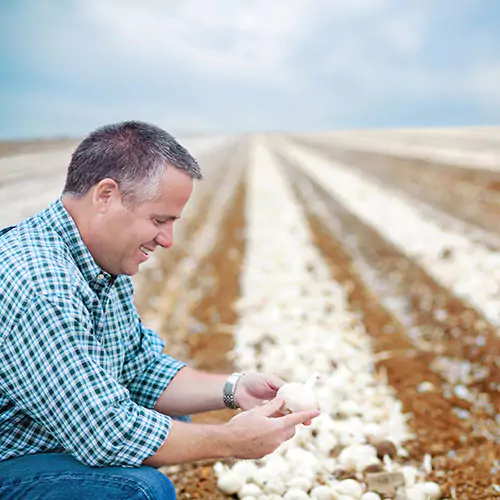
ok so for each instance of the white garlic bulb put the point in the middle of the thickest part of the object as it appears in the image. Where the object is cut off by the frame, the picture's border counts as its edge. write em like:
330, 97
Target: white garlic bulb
245, 468
299, 397
370, 495
229, 482
431, 489
414, 493
300, 483
349, 487
322, 492
275, 485
249, 490
296, 494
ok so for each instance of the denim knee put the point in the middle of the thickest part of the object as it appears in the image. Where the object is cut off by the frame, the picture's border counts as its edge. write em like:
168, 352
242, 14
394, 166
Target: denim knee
155, 485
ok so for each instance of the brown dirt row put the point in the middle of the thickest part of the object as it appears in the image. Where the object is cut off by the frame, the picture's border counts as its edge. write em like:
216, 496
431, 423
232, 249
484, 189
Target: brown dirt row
11, 148
460, 434
208, 349
472, 195
209, 336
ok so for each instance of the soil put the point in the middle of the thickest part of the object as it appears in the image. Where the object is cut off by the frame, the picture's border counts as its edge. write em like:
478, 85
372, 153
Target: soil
422, 336
16, 147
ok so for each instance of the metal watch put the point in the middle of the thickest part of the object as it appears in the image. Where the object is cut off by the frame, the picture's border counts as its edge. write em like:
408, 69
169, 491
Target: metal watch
230, 389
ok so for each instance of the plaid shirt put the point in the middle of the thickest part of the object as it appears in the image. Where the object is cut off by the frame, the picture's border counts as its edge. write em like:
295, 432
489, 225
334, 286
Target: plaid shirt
79, 373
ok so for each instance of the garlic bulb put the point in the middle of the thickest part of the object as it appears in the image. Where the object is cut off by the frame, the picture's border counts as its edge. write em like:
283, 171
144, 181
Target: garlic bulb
322, 492
299, 397
296, 494
349, 487
431, 489
229, 482
249, 490
414, 493
275, 485
300, 483
370, 495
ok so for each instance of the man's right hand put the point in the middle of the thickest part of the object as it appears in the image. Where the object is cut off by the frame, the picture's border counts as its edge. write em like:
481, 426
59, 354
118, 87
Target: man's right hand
259, 431
250, 434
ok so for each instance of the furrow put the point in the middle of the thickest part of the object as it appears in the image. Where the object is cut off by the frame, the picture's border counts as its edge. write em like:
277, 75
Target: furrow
150, 282
469, 194
210, 325
447, 155
439, 353
470, 270
168, 311
293, 320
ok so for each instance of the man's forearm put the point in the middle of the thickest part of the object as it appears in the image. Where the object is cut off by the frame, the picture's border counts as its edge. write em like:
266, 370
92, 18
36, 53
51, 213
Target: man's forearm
192, 391
191, 442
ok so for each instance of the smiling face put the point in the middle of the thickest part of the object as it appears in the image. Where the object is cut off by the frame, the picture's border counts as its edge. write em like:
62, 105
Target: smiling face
120, 237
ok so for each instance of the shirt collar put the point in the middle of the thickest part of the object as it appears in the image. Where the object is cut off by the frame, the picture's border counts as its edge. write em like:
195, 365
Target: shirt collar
61, 221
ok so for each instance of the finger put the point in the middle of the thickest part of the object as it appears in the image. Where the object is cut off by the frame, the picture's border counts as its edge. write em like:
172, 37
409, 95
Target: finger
299, 418
279, 413
289, 433
308, 423
271, 407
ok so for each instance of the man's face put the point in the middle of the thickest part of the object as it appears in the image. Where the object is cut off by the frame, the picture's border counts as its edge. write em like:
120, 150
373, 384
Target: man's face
128, 234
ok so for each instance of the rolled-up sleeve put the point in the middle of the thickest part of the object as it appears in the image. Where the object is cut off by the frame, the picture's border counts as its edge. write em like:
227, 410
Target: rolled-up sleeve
52, 367
147, 368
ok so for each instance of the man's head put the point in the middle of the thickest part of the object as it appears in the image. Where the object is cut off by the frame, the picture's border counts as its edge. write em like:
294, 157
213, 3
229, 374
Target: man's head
126, 185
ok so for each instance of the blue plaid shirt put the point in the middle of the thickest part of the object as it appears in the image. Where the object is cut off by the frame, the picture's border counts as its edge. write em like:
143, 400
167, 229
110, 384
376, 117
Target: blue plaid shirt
79, 372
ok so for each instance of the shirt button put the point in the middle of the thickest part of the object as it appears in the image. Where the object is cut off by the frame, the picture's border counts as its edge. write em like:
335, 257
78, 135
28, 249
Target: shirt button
100, 276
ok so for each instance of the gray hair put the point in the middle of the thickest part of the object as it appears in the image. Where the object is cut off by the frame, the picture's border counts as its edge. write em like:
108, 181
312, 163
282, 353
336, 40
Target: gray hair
134, 154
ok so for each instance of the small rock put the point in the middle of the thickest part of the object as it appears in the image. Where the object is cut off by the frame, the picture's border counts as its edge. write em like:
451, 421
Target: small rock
386, 448
374, 468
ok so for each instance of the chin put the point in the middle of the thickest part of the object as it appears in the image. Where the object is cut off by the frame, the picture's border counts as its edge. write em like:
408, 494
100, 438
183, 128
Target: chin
130, 271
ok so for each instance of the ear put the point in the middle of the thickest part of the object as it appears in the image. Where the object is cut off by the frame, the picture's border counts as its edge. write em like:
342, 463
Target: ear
106, 194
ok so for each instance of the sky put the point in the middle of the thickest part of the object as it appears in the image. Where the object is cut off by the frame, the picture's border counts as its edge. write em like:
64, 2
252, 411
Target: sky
229, 66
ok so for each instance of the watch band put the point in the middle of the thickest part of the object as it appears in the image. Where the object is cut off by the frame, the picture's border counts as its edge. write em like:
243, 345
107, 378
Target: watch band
230, 389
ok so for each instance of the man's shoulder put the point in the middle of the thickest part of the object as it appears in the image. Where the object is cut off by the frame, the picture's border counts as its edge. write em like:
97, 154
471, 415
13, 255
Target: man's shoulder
33, 256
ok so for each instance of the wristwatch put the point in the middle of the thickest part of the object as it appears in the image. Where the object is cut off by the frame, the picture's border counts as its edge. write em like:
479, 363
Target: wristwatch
230, 389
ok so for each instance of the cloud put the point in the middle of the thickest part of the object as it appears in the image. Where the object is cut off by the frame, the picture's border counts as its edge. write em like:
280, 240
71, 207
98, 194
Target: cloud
485, 83
239, 66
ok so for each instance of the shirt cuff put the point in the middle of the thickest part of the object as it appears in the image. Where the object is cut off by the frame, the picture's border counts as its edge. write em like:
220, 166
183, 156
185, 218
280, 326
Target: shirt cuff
149, 432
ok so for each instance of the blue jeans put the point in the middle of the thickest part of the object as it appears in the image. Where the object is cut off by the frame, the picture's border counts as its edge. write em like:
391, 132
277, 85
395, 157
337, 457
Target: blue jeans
59, 476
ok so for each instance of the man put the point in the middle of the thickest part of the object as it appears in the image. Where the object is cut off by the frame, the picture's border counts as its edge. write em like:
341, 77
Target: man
86, 395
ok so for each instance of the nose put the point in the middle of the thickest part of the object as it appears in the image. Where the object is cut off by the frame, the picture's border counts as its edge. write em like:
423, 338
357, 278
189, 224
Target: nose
165, 237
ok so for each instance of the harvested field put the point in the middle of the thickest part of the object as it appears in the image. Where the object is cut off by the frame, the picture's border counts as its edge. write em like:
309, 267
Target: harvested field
343, 255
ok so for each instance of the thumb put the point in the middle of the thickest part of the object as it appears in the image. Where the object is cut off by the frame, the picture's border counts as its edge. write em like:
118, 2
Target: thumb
274, 382
271, 407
